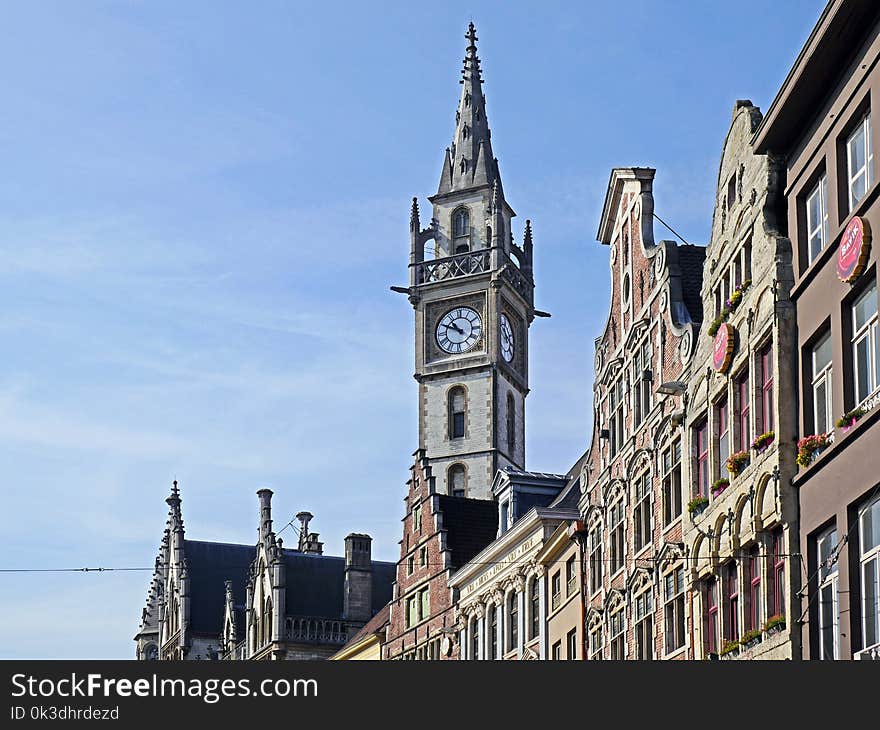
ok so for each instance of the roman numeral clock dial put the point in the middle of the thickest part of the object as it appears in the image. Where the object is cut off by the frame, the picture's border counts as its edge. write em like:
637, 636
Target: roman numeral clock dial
508, 343
459, 330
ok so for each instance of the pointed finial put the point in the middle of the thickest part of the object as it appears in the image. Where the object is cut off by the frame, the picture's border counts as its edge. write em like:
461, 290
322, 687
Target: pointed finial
414, 213
471, 68
495, 195
527, 236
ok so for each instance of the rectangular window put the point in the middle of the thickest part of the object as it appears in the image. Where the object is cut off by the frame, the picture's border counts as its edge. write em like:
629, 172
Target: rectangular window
618, 645
723, 423
535, 601
673, 610
822, 399
417, 518
642, 379
701, 446
644, 626
412, 611
859, 161
765, 362
671, 483
512, 620
866, 345
869, 564
572, 644
596, 642
556, 591
732, 602
817, 219
595, 559
743, 405
615, 416
423, 557
424, 605
570, 576
557, 651
617, 538
776, 589
410, 564
829, 612
710, 617
753, 614
493, 631
642, 512
458, 425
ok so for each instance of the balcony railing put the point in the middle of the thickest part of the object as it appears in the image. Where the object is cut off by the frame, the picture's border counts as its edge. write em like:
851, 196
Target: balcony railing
316, 630
451, 267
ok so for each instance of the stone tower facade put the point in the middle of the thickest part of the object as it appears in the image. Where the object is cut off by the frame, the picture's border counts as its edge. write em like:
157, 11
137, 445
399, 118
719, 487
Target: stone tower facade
472, 290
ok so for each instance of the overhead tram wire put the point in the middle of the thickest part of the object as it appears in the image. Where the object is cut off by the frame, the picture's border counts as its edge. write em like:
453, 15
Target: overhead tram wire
674, 232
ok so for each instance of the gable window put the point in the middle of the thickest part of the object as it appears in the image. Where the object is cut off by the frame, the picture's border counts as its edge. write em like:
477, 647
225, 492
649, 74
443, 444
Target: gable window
671, 483
555, 590
535, 602
742, 264
642, 512
570, 576
642, 378
710, 617
571, 642
776, 589
457, 409
743, 405
644, 629
859, 161
615, 520
673, 610
511, 424
869, 564
596, 563
410, 564
461, 230
412, 611
701, 447
512, 620
457, 478
424, 605
829, 613
615, 416
753, 585
423, 557
722, 421
731, 574
618, 645
865, 345
822, 398
417, 518
765, 362
817, 219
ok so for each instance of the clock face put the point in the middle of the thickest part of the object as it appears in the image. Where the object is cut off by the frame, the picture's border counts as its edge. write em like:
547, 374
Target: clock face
507, 342
459, 330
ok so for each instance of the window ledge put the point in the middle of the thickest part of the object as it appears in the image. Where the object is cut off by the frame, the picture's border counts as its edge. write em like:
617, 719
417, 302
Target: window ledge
675, 653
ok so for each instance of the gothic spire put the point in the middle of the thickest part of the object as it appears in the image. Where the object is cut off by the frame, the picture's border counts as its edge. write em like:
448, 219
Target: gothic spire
469, 161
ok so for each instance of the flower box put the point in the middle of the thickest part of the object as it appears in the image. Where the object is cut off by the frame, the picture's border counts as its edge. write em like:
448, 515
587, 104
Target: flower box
763, 441
809, 446
848, 420
737, 462
697, 505
751, 639
719, 486
775, 624
730, 650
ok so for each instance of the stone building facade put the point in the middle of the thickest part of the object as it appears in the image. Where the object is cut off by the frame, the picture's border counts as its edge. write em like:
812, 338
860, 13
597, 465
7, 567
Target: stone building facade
631, 482
211, 600
823, 126
741, 532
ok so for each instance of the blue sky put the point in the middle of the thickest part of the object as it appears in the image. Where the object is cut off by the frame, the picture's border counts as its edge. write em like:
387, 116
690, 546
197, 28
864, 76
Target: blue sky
203, 204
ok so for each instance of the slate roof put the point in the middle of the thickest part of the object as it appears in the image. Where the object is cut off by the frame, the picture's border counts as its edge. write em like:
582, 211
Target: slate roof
470, 524
315, 583
690, 261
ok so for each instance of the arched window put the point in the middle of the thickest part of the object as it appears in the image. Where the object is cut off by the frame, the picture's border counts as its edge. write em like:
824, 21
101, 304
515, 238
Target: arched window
267, 622
475, 638
461, 230
512, 620
457, 479
535, 603
492, 643
457, 408
511, 423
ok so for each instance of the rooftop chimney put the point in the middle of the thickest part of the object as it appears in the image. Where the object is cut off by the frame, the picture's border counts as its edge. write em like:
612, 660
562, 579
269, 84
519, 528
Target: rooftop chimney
358, 595
265, 497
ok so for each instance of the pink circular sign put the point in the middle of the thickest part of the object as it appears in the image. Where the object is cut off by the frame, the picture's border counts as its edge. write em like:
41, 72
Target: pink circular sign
722, 348
852, 253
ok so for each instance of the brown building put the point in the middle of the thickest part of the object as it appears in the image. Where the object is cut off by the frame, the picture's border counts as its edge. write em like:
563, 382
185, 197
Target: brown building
631, 483
822, 123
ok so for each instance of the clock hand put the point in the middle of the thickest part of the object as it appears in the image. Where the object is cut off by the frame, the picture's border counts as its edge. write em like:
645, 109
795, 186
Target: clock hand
455, 327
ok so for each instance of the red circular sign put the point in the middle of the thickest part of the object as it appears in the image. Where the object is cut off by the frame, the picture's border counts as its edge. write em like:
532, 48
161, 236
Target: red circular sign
852, 253
722, 348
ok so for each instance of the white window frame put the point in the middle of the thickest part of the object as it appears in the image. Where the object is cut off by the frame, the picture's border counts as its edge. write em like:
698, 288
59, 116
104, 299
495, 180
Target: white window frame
644, 617
672, 599
828, 579
863, 128
621, 634
642, 507
617, 549
867, 332
869, 560
820, 378
817, 227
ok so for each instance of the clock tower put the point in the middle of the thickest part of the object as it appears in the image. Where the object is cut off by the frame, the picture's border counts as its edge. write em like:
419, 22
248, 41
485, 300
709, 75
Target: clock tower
472, 291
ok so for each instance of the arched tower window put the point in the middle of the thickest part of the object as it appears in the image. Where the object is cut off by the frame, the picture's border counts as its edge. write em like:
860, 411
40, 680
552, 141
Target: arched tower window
461, 230
457, 409
267, 622
511, 423
457, 478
